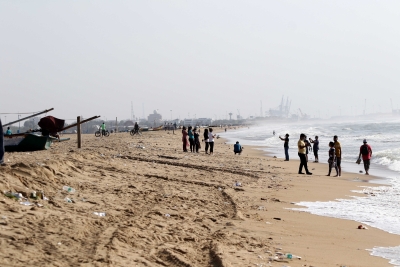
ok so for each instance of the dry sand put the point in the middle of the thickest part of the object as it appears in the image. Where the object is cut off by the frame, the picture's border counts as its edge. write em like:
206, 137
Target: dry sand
168, 208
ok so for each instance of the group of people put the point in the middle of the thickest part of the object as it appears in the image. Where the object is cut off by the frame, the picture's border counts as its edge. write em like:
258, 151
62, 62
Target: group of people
191, 139
334, 153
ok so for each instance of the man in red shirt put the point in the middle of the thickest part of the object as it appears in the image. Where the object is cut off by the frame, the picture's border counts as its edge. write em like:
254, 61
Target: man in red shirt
366, 153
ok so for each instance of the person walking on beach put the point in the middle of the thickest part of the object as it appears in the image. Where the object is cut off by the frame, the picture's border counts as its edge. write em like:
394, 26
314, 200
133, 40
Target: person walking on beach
338, 151
315, 147
184, 139
286, 146
332, 159
237, 148
103, 129
366, 153
1, 144
196, 140
302, 155
191, 139
211, 140
205, 135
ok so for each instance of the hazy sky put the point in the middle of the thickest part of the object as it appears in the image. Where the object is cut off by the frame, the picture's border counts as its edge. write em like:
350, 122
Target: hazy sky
198, 57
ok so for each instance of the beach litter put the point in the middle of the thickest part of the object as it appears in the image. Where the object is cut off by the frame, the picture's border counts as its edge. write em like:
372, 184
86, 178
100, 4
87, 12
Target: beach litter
167, 215
13, 195
100, 214
68, 200
68, 189
26, 203
362, 227
237, 184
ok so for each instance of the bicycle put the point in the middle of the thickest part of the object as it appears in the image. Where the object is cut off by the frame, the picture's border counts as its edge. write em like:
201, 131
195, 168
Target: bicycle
133, 132
98, 133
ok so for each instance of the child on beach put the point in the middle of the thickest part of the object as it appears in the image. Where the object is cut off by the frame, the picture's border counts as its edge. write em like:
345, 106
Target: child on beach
332, 159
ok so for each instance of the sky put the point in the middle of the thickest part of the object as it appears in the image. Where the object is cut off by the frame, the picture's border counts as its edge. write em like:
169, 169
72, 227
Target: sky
189, 59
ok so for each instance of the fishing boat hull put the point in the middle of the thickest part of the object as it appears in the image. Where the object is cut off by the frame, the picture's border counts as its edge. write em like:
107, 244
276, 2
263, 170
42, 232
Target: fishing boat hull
159, 128
27, 142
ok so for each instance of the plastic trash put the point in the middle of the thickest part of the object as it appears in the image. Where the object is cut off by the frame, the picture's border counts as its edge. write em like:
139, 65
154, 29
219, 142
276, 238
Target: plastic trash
101, 214
68, 200
238, 184
219, 188
26, 203
13, 195
289, 256
68, 189
167, 215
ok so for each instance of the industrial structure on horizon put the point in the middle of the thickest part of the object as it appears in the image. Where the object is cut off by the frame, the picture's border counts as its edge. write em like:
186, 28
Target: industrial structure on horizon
282, 111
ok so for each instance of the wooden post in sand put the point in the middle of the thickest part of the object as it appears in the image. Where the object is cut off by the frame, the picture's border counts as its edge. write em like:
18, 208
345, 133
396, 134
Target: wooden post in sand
116, 124
78, 120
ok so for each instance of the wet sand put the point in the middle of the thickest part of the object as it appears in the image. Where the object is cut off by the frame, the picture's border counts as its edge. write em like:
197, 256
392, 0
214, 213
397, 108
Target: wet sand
168, 208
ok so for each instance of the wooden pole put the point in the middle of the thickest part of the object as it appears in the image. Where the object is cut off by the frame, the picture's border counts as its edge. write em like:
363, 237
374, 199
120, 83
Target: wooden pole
116, 124
78, 120
75, 124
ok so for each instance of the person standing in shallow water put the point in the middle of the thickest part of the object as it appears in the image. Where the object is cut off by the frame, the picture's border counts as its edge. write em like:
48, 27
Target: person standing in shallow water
332, 159
286, 146
315, 148
302, 148
366, 153
338, 151
205, 135
184, 139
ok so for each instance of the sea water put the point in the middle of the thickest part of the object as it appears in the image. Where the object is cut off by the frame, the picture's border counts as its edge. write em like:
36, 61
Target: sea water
380, 206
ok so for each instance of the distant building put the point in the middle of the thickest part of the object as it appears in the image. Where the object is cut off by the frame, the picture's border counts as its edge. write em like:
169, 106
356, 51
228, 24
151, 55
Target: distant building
188, 122
154, 118
203, 121
197, 122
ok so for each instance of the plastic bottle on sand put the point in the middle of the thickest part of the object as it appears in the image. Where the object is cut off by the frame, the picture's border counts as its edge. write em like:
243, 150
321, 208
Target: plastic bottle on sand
68, 189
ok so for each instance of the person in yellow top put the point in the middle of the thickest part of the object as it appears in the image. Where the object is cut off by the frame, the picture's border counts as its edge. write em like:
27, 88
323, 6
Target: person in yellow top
338, 152
302, 154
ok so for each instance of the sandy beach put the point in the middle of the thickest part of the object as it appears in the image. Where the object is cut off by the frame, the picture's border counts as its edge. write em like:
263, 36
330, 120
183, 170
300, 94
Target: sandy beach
164, 207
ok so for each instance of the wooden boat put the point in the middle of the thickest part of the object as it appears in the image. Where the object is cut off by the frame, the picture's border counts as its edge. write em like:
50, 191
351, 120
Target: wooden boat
28, 142
159, 128
34, 141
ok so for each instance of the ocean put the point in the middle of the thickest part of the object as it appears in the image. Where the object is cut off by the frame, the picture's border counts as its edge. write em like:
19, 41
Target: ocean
380, 206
